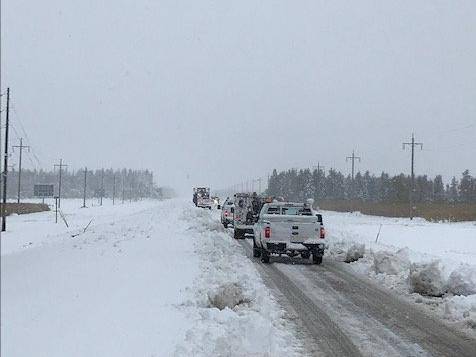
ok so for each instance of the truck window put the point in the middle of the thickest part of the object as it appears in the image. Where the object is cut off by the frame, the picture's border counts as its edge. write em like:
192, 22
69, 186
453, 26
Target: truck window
305, 212
291, 211
273, 210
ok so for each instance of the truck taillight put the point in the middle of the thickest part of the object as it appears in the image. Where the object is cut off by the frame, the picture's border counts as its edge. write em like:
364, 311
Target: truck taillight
322, 233
267, 232
226, 213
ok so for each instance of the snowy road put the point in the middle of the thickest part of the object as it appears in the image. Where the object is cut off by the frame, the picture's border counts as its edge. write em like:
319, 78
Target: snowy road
165, 279
349, 315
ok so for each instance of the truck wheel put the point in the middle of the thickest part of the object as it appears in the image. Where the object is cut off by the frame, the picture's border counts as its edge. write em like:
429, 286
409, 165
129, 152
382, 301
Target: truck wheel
237, 234
225, 225
305, 255
264, 256
256, 250
316, 259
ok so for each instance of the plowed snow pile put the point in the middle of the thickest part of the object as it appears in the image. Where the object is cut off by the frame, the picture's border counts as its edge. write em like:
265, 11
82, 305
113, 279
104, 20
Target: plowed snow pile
233, 312
433, 264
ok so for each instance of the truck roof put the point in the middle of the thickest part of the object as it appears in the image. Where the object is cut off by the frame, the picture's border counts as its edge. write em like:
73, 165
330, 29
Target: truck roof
289, 204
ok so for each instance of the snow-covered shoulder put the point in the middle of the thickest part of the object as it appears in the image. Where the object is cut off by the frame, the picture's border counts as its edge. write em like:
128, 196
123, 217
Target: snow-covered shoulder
145, 278
433, 264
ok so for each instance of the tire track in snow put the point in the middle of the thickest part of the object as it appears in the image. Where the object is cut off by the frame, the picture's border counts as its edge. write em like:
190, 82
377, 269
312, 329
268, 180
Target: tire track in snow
351, 308
329, 337
409, 321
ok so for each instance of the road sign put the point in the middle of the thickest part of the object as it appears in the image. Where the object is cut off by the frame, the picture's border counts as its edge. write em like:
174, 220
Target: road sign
43, 190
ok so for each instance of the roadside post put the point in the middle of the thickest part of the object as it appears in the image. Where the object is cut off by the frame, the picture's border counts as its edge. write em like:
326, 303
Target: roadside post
56, 208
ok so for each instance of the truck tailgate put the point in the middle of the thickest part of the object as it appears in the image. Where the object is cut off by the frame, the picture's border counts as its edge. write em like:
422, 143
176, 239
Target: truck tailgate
294, 229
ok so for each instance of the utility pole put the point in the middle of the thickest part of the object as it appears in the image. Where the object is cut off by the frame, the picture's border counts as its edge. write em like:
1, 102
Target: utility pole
60, 166
84, 186
113, 189
102, 187
353, 158
412, 191
5, 166
20, 147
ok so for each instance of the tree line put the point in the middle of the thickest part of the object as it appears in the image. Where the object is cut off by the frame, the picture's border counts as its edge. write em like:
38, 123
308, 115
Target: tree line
134, 183
298, 185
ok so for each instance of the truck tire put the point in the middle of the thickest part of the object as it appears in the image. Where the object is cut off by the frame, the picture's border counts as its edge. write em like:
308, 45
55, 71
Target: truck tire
237, 234
264, 256
225, 224
305, 255
317, 259
256, 250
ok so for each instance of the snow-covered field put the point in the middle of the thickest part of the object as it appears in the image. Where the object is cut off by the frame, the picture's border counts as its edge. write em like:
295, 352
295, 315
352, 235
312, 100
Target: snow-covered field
145, 279
413, 256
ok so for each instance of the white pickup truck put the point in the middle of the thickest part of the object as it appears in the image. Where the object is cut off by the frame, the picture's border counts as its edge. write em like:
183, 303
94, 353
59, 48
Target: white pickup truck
289, 228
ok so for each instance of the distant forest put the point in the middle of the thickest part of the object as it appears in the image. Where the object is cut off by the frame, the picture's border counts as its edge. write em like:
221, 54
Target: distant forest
134, 183
298, 185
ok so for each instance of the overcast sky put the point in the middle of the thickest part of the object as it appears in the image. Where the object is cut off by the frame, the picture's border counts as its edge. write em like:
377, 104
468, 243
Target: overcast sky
217, 92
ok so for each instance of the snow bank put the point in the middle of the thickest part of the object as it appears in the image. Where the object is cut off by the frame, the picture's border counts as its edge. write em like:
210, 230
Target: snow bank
355, 252
462, 281
228, 295
385, 262
233, 312
346, 251
427, 279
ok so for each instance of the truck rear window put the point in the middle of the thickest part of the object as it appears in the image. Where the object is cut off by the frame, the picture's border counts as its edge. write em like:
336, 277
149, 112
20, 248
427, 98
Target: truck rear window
291, 211
273, 210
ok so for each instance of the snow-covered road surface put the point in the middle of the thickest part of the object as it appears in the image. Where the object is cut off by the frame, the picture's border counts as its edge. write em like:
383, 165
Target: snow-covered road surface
165, 279
141, 281
348, 315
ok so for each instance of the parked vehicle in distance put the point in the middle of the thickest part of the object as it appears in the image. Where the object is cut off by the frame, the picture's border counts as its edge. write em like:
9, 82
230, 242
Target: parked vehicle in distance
243, 219
227, 212
294, 229
201, 197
